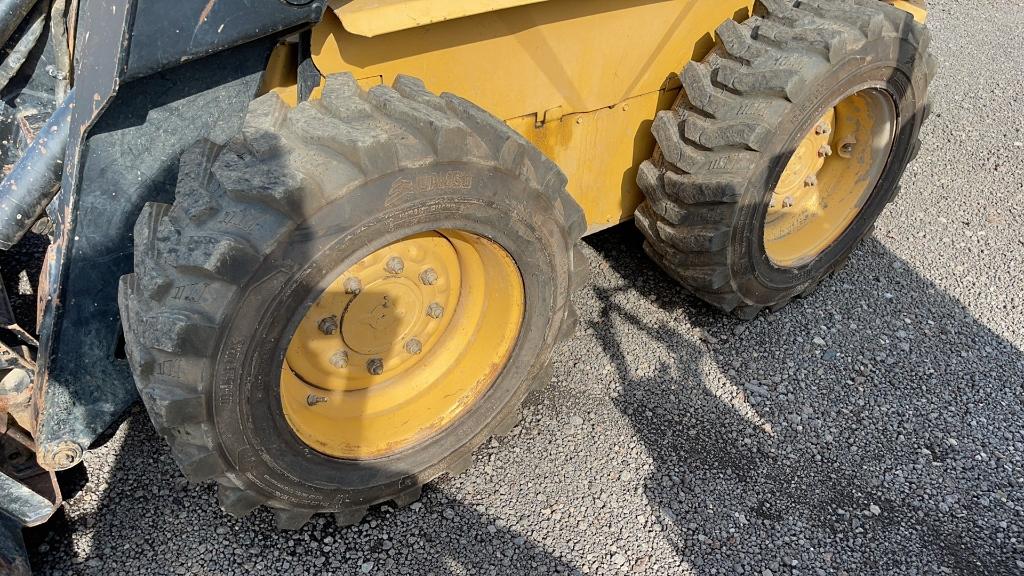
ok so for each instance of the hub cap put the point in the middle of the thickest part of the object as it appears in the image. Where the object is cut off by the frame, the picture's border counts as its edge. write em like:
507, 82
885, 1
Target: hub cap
829, 178
402, 344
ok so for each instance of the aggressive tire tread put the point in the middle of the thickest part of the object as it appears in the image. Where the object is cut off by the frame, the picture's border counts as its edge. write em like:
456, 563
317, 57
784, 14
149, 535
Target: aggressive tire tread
726, 115
235, 201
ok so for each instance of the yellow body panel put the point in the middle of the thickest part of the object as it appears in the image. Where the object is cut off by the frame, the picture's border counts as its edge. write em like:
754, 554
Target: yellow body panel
375, 17
917, 8
581, 79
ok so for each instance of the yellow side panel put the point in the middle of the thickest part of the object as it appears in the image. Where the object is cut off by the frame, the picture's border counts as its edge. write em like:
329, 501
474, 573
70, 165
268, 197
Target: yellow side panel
375, 17
601, 151
559, 61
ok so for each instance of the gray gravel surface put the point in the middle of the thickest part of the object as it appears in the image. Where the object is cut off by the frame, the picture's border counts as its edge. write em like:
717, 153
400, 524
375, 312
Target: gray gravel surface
874, 428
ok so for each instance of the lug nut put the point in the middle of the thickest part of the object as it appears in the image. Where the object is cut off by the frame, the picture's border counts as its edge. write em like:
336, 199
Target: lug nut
787, 202
811, 180
825, 151
313, 399
353, 286
428, 277
375, 366
822, 128
328, 325
413, 346
435, 310
339, 359
394, 265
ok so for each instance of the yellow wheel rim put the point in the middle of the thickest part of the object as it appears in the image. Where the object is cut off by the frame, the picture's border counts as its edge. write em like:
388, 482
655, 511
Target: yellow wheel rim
829, 178
402, 344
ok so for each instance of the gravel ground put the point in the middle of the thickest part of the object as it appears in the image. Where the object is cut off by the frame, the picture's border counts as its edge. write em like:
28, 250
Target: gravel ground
874, 428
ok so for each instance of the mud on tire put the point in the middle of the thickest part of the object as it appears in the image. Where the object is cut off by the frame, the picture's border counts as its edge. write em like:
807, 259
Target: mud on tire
259, 220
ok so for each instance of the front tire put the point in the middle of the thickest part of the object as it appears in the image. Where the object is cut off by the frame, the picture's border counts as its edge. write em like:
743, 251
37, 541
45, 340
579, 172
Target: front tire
268, 229
788, 141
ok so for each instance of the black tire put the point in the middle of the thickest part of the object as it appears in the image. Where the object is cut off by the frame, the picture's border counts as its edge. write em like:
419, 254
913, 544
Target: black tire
260, 221
743, 110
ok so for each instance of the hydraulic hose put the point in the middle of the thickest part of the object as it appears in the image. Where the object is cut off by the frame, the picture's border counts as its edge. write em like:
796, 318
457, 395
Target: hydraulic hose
24, 46
12, 12
36, 177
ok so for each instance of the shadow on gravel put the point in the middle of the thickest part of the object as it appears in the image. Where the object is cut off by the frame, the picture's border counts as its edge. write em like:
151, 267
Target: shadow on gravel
865, 429
144, 504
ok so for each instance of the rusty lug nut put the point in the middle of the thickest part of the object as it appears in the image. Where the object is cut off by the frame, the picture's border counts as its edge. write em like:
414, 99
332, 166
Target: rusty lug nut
825, 151
339, 359
787, 202
822, 128
328, 325
428, 277
313, 399
435, 310
375, 366
413, 346
394, 265
353, 286
811, 180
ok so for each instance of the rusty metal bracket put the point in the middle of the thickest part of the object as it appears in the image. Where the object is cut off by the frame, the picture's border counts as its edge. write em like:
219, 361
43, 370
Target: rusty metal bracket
100, 60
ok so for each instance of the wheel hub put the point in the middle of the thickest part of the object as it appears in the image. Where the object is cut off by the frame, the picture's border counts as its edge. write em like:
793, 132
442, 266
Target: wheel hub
402, 343
829, 178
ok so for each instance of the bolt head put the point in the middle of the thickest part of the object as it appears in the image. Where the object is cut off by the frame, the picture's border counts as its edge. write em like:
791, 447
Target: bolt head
822, 128
435, 310
413, 346
313, 400
59, 455
339, 359
394, 265
811, 180
787, 202
353, 286
375, 366
328, 325
825, 151
428, 277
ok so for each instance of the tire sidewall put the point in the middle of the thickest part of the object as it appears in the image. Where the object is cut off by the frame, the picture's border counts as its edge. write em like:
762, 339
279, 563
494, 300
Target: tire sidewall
246, 391
878, 65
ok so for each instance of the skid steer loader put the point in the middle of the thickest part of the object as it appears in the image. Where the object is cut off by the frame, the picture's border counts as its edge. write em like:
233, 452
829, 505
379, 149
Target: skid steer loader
331, 244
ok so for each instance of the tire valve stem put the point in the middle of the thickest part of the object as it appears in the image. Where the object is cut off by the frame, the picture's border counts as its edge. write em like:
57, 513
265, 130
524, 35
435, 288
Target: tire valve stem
313, 400
394, 265
375, 366
328, 325
435, 310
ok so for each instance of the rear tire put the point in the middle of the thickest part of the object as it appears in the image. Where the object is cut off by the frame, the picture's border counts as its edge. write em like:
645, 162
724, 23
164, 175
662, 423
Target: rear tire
261, 223
723, 146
